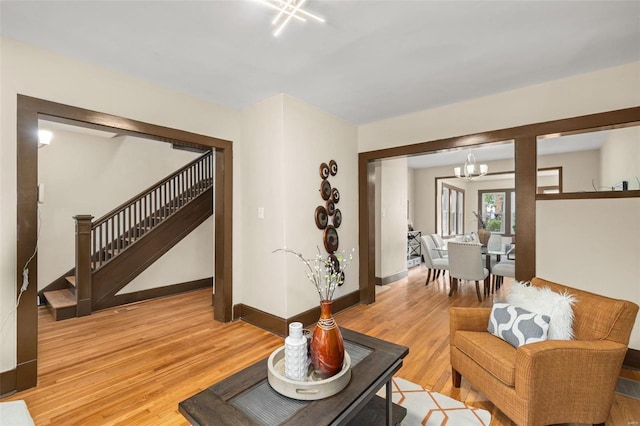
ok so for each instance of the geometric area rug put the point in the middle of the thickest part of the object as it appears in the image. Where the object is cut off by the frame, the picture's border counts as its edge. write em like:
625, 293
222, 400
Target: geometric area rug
430, 408
15, 413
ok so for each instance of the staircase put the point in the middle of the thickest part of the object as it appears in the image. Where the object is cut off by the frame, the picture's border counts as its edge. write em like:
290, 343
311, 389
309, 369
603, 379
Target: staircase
62, 303
113, 250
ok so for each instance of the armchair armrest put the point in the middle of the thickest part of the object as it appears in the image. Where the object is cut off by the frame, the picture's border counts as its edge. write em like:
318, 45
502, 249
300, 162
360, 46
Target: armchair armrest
468, 319
554, 374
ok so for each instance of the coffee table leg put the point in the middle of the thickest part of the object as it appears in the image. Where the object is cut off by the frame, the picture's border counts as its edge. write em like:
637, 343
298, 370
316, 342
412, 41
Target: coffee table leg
389, 404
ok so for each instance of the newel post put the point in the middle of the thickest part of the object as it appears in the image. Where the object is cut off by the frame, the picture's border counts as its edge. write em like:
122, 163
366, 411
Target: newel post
83, 264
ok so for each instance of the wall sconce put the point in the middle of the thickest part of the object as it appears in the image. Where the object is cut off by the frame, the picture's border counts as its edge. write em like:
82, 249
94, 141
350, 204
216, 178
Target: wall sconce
44, 138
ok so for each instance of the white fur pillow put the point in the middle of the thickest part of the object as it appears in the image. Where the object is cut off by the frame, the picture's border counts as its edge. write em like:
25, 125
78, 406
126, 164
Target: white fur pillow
544, 301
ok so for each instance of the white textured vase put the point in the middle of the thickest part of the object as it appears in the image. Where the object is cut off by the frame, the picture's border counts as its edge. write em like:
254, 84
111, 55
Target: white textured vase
295, 353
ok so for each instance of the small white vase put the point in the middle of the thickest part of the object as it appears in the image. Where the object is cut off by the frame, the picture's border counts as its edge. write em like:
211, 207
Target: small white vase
295, 353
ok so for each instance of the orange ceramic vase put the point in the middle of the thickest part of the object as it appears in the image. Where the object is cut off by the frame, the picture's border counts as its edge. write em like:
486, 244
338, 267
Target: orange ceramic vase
483, 236
327, 346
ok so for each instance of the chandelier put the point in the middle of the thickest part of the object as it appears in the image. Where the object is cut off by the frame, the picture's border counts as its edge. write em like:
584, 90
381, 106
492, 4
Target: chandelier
470, 170
288, 9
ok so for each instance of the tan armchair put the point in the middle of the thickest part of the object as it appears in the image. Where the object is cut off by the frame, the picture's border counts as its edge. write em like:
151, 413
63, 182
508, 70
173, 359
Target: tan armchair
550, 382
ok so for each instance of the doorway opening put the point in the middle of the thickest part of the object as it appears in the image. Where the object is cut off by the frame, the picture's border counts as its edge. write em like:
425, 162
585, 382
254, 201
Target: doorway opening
30, 110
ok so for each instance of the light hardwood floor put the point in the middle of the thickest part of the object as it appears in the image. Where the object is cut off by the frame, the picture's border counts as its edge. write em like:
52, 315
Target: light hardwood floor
132, 365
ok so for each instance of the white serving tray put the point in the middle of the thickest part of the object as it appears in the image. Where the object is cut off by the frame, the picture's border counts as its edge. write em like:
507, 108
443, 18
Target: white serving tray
311, 389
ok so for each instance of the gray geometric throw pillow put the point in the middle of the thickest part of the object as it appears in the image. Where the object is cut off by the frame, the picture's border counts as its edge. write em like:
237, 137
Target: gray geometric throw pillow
517, 326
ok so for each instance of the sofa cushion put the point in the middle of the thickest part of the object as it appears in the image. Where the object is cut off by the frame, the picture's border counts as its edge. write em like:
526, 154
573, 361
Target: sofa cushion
517, 326
489, 352
545, 301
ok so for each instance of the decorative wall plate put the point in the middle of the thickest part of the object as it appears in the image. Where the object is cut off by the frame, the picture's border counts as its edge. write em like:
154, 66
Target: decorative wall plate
335, 195
333, 167
337, 218
336, 267
322, 218
336, 263
325, 190
331, 207
324, 171
330, 239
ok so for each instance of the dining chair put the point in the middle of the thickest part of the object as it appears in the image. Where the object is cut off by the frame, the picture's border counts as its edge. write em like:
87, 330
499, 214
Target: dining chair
432, 260
465, 263
491, 254
495, 242
437, 239
511, 253
504, 268
437, 252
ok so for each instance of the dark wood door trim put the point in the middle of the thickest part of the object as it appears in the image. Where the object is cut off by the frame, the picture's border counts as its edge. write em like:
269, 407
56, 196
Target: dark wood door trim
28, 111
524, 138
367, 229
526, 188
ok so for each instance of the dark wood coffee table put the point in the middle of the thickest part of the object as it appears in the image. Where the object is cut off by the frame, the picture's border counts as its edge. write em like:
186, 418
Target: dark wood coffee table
246, 398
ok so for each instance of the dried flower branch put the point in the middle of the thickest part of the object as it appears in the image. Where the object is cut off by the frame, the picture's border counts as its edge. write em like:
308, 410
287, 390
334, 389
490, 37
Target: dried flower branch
323, 273
481, 222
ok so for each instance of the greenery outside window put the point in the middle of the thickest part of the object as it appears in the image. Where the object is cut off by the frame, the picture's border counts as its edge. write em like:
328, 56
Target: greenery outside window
498, 207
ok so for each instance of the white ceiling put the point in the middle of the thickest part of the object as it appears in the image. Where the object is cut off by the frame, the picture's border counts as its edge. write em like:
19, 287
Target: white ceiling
371, 60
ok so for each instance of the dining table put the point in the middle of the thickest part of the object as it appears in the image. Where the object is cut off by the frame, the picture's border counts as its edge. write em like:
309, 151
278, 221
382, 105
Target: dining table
504, 251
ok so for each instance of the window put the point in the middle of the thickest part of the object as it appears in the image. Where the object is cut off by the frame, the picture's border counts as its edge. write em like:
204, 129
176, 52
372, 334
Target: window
445, 211
452, 210
498, 208
460, 226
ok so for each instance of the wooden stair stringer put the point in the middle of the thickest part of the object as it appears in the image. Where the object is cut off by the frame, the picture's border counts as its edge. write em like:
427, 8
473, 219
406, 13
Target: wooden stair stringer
122, 269
155, 219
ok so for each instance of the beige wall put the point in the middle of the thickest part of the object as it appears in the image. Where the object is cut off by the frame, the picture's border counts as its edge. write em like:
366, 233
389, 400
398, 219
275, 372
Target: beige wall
580, 170
425, 197
311, 137
391, 240
285, 141
620, 158
592, 245
112, 171
193, 253
263, 182
605, 90
35, 72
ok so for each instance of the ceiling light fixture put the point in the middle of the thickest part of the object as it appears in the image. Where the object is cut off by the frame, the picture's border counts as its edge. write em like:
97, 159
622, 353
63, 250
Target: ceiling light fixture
290, 9
470, 170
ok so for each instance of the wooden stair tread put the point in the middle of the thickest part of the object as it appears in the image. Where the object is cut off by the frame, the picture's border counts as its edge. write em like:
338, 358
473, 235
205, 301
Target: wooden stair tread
71, 280
60, 298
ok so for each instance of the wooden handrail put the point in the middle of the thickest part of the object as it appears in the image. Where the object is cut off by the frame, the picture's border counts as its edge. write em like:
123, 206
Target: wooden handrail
118, 229
150, 189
